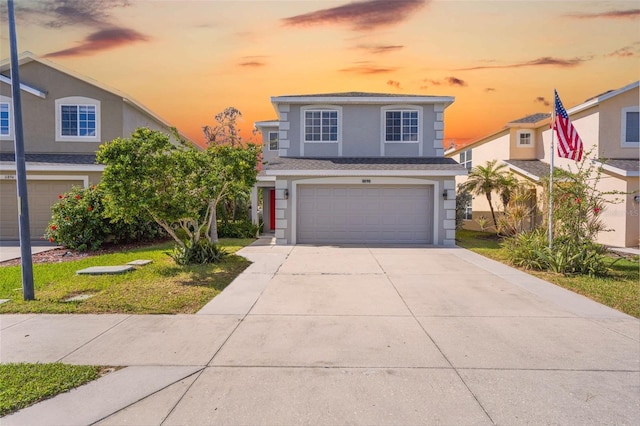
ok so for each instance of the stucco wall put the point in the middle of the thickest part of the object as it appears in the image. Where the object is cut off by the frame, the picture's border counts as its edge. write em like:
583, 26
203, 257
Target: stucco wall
361, 133
39, 114
621, 216
611, 126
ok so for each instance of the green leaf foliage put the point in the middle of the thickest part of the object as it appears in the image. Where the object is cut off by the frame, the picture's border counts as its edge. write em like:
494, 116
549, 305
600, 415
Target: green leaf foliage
179, 186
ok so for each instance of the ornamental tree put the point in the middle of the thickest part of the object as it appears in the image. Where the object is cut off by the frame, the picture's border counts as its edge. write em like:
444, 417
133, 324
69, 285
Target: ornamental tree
177, 185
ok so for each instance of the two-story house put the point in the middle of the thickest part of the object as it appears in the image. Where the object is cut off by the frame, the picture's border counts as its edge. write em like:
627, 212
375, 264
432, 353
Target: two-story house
65, 119
364, 168
608, 126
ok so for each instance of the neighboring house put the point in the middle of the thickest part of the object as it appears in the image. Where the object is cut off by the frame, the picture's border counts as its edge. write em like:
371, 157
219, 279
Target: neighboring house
608, 125
364, 168
65, 119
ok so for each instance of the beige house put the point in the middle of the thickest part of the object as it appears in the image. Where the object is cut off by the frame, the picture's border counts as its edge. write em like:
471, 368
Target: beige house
608, 125
65, 119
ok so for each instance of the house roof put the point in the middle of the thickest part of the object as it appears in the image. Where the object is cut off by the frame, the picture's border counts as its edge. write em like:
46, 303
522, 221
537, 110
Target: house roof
622, 167
27, 57
533, 118
52, 158
52, 162
362, 98
360, 165
533, 169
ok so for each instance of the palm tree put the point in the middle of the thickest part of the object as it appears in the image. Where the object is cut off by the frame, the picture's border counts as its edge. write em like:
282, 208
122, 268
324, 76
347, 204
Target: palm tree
483, 180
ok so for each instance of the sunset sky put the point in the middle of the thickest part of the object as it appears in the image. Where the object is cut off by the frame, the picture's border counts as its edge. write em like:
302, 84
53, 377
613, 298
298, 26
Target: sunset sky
188, 60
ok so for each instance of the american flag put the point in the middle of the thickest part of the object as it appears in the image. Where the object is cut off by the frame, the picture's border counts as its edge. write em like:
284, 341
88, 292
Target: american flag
569, 142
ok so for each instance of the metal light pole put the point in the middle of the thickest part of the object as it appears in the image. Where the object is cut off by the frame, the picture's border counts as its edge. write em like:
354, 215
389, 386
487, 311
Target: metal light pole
21, 169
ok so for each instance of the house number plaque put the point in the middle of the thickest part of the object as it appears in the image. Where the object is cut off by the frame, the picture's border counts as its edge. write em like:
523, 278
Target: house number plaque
366, 180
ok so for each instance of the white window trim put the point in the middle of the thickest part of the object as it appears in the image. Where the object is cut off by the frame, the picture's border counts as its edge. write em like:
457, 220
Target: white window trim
524, 132
400, 108
8, 100
463, 163
277, 140
623, 128
304, 110
77, 100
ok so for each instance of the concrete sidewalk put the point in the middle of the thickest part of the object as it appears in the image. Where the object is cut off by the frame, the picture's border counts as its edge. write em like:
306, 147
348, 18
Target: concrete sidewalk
349, 335
10, 249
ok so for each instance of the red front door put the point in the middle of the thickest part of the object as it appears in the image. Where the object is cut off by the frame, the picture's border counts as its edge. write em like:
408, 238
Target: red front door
272, 209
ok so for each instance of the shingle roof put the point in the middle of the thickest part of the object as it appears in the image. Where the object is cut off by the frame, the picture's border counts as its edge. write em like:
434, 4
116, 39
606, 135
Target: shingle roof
353, 95
624, 164
533, 168
52, 158
363, 163
533, 118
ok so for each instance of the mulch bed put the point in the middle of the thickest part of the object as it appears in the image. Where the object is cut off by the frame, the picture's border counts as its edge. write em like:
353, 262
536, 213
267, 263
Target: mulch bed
58, 255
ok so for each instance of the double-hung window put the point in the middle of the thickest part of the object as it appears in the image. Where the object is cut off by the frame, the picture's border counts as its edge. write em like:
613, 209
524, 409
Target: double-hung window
321, 126
401, 126
77, 119
5, 119
524, 138
630, 127
466, 159
273, 141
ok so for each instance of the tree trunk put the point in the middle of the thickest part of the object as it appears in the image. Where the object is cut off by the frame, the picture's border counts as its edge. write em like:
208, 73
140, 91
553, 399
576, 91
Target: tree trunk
213, 228
493, 214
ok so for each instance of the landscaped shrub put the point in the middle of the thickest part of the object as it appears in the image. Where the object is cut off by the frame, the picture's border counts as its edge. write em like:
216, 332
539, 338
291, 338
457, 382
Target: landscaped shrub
237, 229
78, 222
202, 252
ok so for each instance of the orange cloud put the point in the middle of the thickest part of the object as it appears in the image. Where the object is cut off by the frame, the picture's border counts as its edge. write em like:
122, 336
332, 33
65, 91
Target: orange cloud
101, 40
542, 100
626, 52
360, 16
393, 83
545, 61
378, 49
612, 14
368, 69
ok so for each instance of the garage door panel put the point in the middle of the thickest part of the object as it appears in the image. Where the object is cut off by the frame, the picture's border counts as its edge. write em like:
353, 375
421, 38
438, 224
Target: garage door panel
42, 195
365, 214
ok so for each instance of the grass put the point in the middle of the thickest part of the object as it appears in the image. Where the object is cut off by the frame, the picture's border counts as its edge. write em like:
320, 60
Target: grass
24, 384
620, 290
161, 287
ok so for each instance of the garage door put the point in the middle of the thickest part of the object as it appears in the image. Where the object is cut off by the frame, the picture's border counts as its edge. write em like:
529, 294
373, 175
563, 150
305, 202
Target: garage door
365, 214
42, 195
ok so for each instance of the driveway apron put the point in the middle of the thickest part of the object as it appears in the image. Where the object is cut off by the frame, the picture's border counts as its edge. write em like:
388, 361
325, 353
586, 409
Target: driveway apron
365, 335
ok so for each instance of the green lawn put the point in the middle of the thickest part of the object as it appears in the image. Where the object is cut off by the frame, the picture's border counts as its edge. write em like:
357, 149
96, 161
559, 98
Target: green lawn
621, 290
24, 384
161, 287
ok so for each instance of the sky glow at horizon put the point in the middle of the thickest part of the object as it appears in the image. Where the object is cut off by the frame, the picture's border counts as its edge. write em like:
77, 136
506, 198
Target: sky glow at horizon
189, 60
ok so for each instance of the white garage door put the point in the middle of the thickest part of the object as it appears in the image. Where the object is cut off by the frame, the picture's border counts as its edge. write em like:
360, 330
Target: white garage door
385, 214
42, 195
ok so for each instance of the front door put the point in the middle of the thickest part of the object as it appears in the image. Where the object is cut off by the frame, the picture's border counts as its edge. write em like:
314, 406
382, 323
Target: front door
272, 209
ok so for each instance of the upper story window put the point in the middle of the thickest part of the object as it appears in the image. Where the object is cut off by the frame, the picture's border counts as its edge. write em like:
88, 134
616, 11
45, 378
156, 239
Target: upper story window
465, 159
321, 126
5, 119
77, 119
401, 126
273, 141
630, 127
524, 138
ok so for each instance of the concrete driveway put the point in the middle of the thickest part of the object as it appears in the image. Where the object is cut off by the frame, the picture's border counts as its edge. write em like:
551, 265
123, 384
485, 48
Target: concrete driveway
350, 335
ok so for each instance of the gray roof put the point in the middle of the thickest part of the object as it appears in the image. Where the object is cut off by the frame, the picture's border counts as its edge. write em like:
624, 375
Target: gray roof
363, 163
533, 118
536, 168
354, 95
52, 158
624, 164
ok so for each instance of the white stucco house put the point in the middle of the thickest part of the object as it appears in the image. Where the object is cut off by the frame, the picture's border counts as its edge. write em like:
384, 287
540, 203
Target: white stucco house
608, 125
357, 168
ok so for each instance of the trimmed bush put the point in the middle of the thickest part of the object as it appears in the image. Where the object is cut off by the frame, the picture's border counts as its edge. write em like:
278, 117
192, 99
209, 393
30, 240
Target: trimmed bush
237, 229
78, 222
200, 253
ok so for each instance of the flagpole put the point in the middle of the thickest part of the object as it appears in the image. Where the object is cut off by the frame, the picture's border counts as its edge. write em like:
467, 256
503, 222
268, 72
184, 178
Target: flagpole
550, 232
